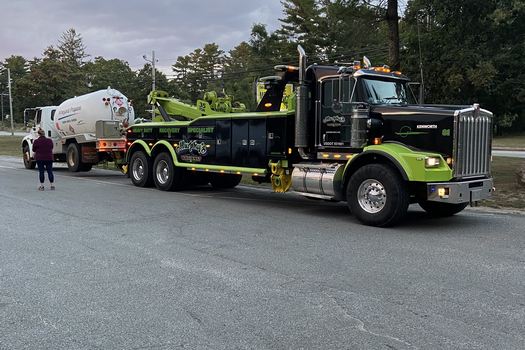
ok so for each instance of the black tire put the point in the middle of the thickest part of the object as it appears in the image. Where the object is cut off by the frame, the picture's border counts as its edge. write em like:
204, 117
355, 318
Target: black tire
442, 209
85, 167
28, 163
221, 181
73, 160
166, 176
140, 170
377, 195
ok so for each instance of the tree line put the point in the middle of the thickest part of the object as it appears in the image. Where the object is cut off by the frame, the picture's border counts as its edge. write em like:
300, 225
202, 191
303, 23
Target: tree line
463, 51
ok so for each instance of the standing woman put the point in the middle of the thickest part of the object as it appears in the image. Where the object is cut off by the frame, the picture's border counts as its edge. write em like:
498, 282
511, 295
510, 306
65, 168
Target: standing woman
43, 148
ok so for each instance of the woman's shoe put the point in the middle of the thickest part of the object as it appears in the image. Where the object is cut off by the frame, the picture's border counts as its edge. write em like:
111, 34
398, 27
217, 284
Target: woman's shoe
41, 188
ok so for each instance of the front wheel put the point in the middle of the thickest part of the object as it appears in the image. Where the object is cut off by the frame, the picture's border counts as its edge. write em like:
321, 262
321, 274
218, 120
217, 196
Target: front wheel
377, 196
140, 170
442, 209
28, 163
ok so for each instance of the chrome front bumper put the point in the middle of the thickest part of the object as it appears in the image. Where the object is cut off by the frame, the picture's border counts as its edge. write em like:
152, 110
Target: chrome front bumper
460, 192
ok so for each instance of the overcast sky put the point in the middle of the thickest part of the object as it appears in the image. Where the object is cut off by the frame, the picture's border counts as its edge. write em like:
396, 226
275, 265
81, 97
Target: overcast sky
129, 29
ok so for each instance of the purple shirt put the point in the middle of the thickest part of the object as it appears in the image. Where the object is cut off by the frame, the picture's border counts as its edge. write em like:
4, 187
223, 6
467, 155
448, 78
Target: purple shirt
43, 148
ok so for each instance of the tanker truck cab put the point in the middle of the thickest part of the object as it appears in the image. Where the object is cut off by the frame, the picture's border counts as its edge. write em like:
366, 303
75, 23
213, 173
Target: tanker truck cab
36, 118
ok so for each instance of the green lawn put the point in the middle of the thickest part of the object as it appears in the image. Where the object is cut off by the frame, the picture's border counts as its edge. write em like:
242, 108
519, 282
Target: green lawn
11, 146
508, 194
517, 141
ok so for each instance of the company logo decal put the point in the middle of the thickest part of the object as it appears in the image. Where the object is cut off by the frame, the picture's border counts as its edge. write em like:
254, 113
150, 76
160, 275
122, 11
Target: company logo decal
407, 131
191, 150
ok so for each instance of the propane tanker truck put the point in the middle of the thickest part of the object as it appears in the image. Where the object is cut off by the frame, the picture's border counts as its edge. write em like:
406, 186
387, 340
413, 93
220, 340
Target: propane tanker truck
356, 134
85, 129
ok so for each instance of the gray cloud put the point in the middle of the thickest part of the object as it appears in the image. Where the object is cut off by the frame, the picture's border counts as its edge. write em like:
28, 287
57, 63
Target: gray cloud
129, 29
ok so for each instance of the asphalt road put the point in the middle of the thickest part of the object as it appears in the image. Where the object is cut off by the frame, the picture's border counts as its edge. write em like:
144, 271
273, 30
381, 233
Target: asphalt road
101, 264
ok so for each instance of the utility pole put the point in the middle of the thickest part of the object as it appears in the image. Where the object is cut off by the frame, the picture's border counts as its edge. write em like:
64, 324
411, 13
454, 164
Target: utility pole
152, 77
2, 103
10, 101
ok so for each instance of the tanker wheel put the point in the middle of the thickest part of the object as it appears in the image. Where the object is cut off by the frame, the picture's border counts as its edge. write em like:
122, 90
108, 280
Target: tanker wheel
377, 196
166, 176
442, 209
140, 170
221, 181
28, 163
73, 160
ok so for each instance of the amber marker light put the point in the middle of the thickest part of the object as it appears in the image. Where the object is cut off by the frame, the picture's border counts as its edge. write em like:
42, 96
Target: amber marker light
325, 155
238, 173
337, 156
193, 169
289, 151
348, 156
267, 105
255, 174
377, 141
222, 171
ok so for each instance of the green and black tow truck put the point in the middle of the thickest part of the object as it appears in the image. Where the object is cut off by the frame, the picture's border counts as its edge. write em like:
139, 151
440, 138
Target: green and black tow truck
355, 134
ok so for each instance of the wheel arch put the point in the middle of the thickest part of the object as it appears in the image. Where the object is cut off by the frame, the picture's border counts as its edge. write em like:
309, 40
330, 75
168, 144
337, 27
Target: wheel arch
164, 146
372, 157
138, 145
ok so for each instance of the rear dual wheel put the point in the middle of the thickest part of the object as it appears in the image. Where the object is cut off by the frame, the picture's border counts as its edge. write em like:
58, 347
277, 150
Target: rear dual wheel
74, 159
166, 176
140, 170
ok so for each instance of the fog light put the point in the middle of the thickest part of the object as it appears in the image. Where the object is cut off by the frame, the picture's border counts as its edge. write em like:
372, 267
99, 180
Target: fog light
432, 162
443, 192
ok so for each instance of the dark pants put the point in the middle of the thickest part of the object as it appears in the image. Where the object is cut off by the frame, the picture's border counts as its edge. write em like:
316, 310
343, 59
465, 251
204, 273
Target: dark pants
45, 165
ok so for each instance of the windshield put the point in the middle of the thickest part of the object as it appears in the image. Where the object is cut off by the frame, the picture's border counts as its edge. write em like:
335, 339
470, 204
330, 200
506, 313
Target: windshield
387, 92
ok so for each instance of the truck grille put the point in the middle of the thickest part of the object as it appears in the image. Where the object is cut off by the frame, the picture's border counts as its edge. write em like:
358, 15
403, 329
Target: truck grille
472, 143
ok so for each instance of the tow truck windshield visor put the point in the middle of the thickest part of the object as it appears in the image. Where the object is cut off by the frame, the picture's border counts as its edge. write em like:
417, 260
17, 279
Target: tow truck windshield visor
387, 92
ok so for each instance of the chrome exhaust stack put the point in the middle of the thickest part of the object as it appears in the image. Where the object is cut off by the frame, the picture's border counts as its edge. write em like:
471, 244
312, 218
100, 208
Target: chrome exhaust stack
301, 110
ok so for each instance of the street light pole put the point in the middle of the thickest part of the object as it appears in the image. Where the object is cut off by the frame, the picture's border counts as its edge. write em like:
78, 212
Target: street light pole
10, 101
152, 77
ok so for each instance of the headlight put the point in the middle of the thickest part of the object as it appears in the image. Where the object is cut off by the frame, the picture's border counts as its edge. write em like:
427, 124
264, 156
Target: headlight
432, 162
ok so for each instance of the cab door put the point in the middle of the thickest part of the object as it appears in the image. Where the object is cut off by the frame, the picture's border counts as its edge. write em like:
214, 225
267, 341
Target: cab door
334, 112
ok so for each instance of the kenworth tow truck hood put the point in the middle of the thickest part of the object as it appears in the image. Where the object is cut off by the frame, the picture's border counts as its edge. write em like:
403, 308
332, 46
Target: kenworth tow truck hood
463, 133
428, 128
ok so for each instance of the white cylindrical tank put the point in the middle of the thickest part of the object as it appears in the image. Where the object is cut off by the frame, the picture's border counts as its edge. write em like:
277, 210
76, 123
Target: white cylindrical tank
78, 115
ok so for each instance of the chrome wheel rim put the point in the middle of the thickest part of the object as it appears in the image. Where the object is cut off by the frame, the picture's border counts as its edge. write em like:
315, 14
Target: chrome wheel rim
371, 196
138, 169
162, 172
71, 159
